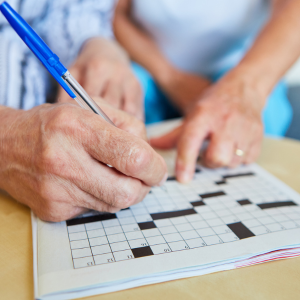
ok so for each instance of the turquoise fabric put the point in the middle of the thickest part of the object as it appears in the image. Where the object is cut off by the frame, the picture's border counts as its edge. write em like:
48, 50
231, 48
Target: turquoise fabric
277, 114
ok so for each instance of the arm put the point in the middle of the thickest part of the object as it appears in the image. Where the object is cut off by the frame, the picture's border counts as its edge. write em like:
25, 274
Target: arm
181, 87
275, 50
229, 114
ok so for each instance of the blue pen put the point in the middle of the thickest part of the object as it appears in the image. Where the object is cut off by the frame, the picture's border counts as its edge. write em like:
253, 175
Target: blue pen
50, 61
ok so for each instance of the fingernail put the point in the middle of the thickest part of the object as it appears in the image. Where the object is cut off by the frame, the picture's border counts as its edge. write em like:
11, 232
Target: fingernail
225, 156
163, 180
184, 176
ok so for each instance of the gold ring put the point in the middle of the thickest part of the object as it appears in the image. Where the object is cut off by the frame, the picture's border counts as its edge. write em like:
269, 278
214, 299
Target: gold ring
239, 152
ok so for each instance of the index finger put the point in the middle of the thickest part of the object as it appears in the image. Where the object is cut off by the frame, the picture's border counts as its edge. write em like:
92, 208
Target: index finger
189, 143
127, 153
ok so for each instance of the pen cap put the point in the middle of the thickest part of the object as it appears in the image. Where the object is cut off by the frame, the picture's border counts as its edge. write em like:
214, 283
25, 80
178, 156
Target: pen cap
36, 45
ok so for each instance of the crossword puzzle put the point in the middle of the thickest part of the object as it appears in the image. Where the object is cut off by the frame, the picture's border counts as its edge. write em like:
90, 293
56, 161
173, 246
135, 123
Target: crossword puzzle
216, 207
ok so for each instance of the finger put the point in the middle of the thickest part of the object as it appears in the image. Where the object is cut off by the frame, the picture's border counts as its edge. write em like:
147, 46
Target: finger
109, 190
253, 152
133, 99
220, 149
123, 120
167, 141
127, 153
113, 94
94, 80
189, 143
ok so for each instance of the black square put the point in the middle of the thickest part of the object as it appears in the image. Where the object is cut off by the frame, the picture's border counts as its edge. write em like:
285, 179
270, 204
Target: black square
147, 225
197, 203
244, 202
141, 252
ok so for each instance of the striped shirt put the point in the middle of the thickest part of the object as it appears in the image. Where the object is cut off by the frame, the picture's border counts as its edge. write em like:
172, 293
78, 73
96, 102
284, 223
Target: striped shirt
64, 25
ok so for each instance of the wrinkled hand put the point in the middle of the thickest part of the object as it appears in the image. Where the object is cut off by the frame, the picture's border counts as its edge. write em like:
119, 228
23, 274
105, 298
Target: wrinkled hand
54, 159
103, 70
229, 115
182, 88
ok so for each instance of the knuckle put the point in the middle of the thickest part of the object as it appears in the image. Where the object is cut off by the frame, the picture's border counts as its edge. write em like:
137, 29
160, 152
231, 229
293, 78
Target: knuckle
126, 195
138, 160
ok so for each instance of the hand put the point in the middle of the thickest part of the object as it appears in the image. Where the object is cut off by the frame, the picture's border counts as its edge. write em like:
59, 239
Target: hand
54, 159
229, 115
182, 88
103, 70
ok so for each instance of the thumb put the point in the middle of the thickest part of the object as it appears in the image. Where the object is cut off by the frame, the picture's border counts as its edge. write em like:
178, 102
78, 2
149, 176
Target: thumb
166, 141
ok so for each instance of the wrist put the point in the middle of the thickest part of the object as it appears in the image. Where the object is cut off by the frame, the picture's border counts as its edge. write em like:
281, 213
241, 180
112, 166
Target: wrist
105, 48
250, 76
7, 118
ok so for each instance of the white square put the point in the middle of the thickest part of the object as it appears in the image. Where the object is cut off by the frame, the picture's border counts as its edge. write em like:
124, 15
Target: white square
119, 246
251, 223
134, 235
266, 220
101, 249
173, 237
104, 259
214, 222
221, 229
114, 238
230, 219
294, 216
128, 220
83, 262
244, 216
280, 218
184, 227
208, 215
79, 244
205, 232
109, 223
162, 248
193, 218
143, 218
199, 224
151, 232
228, 237
167, 229
176, 246
163, 222
289, 224
77, 253
123, 255
137, 243
93, 225
155, 240
212, 240
139, 211
124, 213
130, 227
113, 230
224, 212
98, 241
195, 243
275, 227
155, 209
77, 236
259, 230
178, 220
95, 233
192, 234
76, 228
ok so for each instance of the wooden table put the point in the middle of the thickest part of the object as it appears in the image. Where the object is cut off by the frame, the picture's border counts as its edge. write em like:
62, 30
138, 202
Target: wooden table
274, 280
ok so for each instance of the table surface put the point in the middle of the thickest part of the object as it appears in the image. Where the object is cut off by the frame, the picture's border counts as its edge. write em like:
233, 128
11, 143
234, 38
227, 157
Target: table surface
273, 280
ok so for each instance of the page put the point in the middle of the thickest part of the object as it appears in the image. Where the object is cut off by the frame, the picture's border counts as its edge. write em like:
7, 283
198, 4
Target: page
216, 222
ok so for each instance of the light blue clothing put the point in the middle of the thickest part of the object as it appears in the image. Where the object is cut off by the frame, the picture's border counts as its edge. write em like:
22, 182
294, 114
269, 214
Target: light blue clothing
277, 114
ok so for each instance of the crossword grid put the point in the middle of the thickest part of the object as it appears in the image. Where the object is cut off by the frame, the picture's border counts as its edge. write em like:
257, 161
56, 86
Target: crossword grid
216, 207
